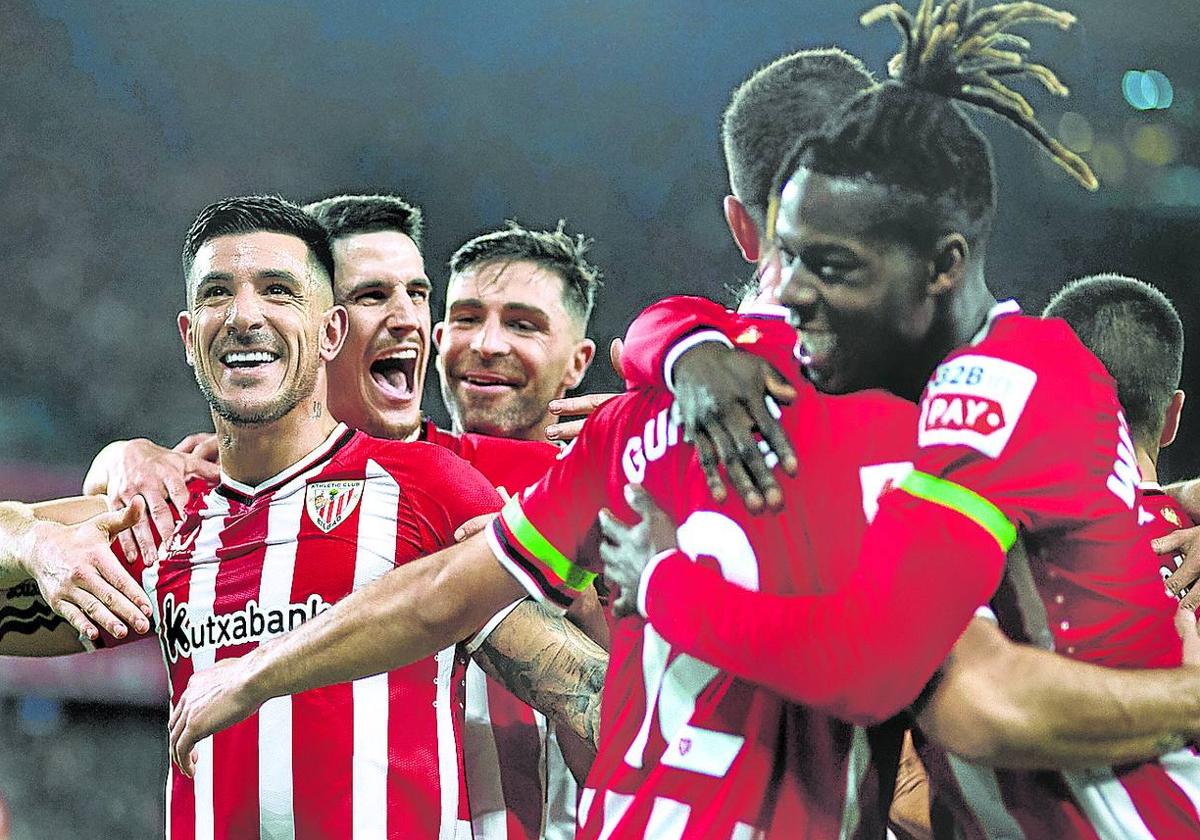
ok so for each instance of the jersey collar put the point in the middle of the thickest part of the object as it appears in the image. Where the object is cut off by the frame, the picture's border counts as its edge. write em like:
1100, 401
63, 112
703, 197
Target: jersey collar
325, 450
1004, 307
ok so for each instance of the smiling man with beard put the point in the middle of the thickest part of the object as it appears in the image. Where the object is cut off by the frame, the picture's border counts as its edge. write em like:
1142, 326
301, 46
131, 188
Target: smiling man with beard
514, 338
305, 511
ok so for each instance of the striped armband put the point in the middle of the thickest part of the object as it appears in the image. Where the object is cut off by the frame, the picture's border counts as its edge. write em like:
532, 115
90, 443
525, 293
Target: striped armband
970, 504
545, 572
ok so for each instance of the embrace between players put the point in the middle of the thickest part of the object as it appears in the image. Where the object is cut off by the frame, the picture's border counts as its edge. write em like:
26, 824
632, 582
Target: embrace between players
988, 581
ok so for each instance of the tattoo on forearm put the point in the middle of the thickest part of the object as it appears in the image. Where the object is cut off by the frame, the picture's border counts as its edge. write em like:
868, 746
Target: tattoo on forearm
550, 664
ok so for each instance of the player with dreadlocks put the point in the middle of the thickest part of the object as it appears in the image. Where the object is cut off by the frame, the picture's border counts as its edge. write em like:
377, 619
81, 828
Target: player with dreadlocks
883, 218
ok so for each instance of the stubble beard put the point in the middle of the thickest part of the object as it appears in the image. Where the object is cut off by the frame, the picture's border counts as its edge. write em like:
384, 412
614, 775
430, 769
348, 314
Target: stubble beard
301, 388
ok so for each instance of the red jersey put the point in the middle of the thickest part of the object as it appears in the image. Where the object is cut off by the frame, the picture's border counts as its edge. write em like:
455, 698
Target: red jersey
379, 757
1000, 447
505, 742
1028, 418
687, 751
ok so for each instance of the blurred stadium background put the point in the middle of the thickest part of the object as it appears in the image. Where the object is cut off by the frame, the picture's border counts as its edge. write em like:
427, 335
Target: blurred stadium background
119, 120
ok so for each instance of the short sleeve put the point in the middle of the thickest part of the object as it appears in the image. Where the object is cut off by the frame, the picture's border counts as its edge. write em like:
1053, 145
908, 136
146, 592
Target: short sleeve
540, 531
653, 339
443, 491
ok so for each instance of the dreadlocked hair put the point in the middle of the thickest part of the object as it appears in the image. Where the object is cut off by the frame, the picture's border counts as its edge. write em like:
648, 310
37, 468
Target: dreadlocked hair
911, 132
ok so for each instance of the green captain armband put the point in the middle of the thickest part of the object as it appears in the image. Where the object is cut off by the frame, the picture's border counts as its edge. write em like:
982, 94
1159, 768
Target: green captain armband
967, 502
536, 546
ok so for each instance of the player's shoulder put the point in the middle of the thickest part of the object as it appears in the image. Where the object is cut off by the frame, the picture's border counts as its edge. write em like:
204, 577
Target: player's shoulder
1157, 506
491, 446
848, 429
1048, 347
630, 408
198, 490
417, 459
875, 403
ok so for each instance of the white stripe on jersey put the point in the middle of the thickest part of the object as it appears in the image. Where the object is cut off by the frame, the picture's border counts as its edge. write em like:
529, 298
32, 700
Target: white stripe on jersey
981, 793
615, 806
202, 595
668, 819
1183, 766
276, 817
585, 806
1106, 804
489, 816
741, 831
562, 791
150, 586
376, 555
858, 764
447, 745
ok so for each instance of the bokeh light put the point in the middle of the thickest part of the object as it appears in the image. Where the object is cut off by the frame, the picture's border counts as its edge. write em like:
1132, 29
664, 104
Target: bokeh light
1108, 160
1147, 90
1154, 144
1076, 132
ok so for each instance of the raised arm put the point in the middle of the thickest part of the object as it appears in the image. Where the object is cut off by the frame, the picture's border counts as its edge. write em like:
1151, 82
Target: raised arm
73, 565
686, 344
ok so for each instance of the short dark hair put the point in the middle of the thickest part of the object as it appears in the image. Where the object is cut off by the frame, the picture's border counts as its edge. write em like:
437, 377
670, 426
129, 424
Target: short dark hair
1135, 331
254, 213
912, 133
554, 250
347, 215
791, 96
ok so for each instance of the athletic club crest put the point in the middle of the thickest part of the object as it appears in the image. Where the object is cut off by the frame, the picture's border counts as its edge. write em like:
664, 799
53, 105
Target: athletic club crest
330, 502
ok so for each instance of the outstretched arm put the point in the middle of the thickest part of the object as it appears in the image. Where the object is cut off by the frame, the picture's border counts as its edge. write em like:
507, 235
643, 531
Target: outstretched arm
73, 565
409, 613
550, 664
1004, 704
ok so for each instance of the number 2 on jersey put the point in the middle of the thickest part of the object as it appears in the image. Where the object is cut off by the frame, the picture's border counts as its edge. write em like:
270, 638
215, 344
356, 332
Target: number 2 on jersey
672, 690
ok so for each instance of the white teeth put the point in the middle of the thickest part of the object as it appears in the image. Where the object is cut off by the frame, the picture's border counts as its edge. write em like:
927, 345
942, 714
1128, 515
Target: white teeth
402, 353
256, 357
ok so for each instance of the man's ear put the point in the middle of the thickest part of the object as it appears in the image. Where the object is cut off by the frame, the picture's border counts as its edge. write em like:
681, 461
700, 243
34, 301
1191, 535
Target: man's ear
1171, 424
949, 267
439, 329
742, 226
184, 319
581, 359
333, 336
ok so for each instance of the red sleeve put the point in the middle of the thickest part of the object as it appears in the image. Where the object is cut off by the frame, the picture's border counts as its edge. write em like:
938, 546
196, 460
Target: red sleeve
862, 653
540, 533
659, 327
443, 491
1038, 437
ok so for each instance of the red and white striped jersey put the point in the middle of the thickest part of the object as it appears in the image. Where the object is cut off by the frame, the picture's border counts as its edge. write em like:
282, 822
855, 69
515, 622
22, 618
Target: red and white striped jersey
379, 757
505, 742
687, 751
